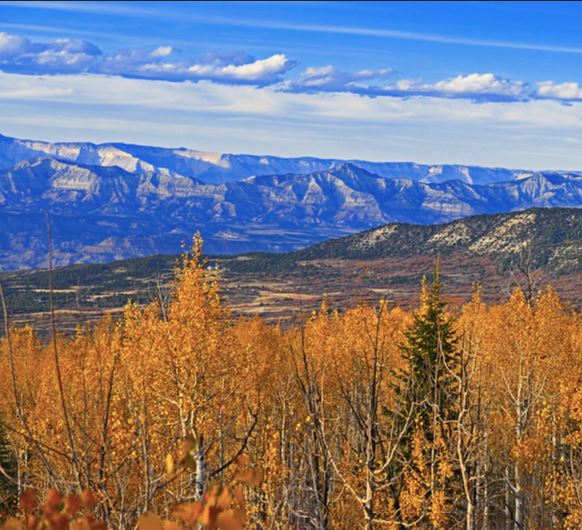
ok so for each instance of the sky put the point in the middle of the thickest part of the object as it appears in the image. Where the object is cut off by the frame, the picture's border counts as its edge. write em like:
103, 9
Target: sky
481, 83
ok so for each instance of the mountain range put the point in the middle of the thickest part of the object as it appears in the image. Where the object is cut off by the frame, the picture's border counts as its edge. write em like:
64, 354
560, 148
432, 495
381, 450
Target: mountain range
215, 168
116, 201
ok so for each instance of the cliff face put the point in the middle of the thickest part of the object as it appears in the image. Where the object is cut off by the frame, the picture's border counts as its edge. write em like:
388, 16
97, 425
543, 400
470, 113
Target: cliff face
109, 202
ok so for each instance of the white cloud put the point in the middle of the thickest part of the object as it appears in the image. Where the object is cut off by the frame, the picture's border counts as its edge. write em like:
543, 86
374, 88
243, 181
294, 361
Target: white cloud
12, 44
207, 96
475, 86
274, 65
72, 56
482, 84
212, 116
406, 85
318, 76
261, 70
162, 51
564, 91
330, 79
75, 56
19, 54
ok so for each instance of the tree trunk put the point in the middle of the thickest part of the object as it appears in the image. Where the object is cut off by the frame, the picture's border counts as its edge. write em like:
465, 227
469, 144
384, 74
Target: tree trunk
518, 506
485, 504
201, 472
506, 509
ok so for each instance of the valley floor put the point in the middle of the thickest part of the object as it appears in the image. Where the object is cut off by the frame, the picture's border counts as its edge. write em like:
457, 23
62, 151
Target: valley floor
282, 292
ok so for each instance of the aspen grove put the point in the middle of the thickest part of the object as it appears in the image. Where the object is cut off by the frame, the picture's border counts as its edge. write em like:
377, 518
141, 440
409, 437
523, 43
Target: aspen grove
369, 417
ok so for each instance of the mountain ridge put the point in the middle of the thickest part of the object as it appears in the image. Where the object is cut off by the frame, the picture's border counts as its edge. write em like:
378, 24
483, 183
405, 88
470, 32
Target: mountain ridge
545, 236
103, 212
217, 167
492, 250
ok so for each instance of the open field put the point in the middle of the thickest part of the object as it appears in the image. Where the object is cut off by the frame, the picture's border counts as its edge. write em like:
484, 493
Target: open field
85, 293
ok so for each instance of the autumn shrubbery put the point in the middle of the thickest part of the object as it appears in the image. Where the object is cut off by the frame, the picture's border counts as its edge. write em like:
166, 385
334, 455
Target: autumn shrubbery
220, 507
373, 416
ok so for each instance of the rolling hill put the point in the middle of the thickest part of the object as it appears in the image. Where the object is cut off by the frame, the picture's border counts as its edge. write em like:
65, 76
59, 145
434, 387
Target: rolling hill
496, 251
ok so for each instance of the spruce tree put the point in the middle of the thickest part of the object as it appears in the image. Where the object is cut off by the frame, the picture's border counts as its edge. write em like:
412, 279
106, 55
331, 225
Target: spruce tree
430, 352
426, 401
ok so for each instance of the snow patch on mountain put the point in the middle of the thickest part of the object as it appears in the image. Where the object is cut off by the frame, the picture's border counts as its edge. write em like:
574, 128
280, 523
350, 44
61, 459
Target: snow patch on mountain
374, 237
451, 236
509, 237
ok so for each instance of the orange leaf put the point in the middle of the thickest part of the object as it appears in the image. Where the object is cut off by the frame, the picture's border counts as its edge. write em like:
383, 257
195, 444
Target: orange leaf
209, 515
72, 504
28, 500
53, 501
32, 522
248, 476
12, 523
88, 499
239, 494
224, 499
212, 494
82, 523
98, 525
149, 521
189, 513
59, 521
243, 460
171, 525
229, 520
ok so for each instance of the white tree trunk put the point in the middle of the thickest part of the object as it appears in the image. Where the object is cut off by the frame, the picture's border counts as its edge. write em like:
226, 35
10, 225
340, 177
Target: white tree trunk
201, 471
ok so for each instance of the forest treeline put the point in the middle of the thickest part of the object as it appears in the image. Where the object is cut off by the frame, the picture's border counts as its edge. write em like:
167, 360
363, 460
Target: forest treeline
373, 417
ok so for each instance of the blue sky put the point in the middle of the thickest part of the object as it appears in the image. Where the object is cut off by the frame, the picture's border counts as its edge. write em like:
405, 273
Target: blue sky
488, 83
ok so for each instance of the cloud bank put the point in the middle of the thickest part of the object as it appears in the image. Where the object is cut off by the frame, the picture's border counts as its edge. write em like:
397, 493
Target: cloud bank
20, 55
540, 133
477, 87
73, 56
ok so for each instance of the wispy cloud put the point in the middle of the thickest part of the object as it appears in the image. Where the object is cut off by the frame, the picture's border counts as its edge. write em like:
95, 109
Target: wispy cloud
479, 87
403, 35
42, 30
119, 8
330, 79
271, 103
111, 8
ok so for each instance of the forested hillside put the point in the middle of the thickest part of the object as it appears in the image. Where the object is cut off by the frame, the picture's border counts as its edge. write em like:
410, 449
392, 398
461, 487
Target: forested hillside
375, 417
528, 249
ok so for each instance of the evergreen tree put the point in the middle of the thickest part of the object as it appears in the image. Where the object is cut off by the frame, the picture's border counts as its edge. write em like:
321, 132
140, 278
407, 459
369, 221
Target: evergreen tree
426, 393
430, 352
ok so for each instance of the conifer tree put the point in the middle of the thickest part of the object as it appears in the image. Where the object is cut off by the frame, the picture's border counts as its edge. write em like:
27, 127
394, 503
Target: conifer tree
426, 387
430, 354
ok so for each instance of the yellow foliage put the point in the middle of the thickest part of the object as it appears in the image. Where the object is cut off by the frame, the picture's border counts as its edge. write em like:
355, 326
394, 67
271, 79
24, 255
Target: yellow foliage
157, 394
